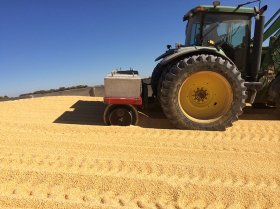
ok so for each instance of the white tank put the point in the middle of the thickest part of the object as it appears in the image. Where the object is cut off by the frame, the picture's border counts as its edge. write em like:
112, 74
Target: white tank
123, 84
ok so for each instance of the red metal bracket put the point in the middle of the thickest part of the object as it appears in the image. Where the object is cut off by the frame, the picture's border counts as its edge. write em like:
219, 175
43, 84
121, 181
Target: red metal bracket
116, 100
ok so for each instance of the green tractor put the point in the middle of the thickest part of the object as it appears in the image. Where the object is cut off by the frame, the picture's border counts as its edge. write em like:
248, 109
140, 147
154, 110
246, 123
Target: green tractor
206, 83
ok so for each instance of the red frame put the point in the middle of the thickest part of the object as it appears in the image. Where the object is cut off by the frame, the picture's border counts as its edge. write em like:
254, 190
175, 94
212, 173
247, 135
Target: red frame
118, 100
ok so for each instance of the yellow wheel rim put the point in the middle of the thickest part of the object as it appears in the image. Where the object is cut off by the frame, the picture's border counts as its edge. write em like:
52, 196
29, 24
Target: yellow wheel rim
205, 96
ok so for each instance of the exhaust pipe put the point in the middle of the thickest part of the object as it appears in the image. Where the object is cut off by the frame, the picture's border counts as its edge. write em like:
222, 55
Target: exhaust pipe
257, 49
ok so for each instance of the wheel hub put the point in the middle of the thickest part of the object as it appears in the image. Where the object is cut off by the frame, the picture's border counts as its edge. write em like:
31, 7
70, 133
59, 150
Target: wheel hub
200, 95
205, 96
120, 117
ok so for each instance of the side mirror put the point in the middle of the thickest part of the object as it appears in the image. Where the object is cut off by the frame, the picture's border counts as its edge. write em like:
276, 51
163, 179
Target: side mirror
263, 9
256, 10
259, 12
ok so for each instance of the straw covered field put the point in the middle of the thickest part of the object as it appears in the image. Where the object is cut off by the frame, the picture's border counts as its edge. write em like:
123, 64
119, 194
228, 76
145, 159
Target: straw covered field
55, 152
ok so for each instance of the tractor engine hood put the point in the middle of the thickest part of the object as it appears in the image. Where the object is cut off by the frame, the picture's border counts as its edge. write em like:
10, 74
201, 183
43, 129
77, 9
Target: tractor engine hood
172, 54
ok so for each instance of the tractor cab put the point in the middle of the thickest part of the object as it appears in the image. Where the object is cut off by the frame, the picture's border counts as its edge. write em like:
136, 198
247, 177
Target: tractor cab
226, 28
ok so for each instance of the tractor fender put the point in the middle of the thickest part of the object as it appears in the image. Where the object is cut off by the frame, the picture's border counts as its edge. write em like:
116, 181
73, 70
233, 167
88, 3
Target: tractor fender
174, 54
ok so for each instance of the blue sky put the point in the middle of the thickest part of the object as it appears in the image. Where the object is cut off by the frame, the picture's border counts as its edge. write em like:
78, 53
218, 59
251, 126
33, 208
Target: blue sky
52, 43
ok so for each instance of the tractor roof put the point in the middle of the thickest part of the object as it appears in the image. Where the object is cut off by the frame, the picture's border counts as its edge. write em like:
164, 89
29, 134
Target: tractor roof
219, 9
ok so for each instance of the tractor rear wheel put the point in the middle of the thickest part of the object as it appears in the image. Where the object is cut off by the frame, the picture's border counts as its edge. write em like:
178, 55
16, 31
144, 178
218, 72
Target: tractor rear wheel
155, 78
203, 92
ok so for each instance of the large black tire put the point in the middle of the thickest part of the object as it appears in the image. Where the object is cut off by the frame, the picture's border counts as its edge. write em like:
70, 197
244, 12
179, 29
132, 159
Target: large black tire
175, 77
156, 75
